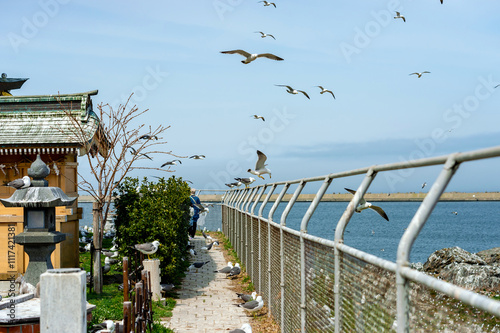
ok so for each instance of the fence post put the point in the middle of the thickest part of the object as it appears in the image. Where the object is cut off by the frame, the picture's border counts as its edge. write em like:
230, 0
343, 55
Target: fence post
125, 279
153, 266
127, 316
63, 301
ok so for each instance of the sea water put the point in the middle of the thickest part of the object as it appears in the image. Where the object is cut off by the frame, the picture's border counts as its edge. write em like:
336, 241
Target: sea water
475, 226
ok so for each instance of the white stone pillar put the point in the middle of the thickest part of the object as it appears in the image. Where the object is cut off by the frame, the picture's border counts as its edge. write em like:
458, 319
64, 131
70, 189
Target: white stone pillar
63, 301
153, 266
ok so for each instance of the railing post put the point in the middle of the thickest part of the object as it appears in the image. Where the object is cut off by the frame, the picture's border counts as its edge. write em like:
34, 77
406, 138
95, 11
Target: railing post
261, 210
252, 254
409, 236
339, 239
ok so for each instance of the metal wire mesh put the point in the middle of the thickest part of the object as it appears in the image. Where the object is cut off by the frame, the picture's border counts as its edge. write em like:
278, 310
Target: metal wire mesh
320, 278
256, 254
432, 311
264, 279
292, 283
275, 300
243, 239
367, 297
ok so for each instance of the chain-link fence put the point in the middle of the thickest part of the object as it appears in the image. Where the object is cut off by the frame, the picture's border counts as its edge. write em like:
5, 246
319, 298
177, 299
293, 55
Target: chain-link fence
311, 284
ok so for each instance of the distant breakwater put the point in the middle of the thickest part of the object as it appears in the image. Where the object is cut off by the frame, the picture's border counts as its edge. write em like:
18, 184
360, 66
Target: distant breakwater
409, 196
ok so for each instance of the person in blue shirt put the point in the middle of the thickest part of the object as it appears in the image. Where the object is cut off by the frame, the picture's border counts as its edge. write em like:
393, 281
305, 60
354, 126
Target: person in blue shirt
194, 219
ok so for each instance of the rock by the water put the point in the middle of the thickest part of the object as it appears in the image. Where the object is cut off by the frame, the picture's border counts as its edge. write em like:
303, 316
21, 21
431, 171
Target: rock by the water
444, 257
491, 256
474, 277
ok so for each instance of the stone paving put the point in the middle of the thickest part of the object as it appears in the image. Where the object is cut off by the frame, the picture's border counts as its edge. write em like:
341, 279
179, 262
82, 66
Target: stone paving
206, 301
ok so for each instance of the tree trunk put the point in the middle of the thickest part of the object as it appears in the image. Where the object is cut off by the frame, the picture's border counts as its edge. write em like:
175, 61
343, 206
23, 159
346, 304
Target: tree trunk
98, 282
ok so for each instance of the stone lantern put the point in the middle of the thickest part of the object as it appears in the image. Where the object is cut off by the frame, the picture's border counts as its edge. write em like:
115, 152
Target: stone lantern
39, 236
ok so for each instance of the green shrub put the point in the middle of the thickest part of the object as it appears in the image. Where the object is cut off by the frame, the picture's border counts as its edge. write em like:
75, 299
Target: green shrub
155, 211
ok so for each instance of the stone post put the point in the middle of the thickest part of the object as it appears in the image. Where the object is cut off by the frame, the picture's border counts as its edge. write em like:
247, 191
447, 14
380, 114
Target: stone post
153, 266
63, 301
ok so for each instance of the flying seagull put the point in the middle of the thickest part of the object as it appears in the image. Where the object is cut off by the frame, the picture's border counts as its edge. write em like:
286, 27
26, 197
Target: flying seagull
197, 157
365, 205
268, 3
398, 15
202, 208
247, 297
148, 248
234, 271
423, 185
134, 152
419, 75
174, 162
209, 246
265, 35
247, 181
290, 90
148, 137
260, 167
245, 328
324, 90
251, 57
258, 117
226, 269
498, 85
253, 306
20, 183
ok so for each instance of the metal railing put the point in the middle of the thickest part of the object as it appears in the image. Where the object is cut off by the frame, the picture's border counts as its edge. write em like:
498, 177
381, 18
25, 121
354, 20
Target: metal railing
312, 284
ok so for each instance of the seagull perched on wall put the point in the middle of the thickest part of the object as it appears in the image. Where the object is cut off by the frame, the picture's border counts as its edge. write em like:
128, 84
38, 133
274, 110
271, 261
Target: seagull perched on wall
324, 90
290, 90
148, 248
231, 185
398, 15
20, 183
419, 75
174, 162
365, 205
260, 166
264, 35
251, 57
247, 181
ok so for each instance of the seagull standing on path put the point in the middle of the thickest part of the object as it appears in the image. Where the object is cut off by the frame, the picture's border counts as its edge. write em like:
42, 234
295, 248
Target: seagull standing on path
419, 75
251, 57
323, 90
253, 306
247, 297
234, 271
148, 248
226, 269
260, 166
209, 246
398, 15
290, 90
198, 265
365, 205
245, 328
20, 183
265, 35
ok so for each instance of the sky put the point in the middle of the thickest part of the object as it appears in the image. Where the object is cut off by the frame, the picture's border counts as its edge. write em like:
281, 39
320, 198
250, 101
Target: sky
167, 53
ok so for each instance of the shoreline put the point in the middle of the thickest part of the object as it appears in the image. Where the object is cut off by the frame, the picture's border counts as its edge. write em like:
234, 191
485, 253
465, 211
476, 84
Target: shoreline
346, 197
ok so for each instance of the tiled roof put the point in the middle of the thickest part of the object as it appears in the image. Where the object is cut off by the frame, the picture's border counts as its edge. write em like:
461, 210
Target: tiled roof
48, 121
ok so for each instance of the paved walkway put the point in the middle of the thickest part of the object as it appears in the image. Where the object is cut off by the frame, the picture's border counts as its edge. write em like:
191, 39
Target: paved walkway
206, 302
